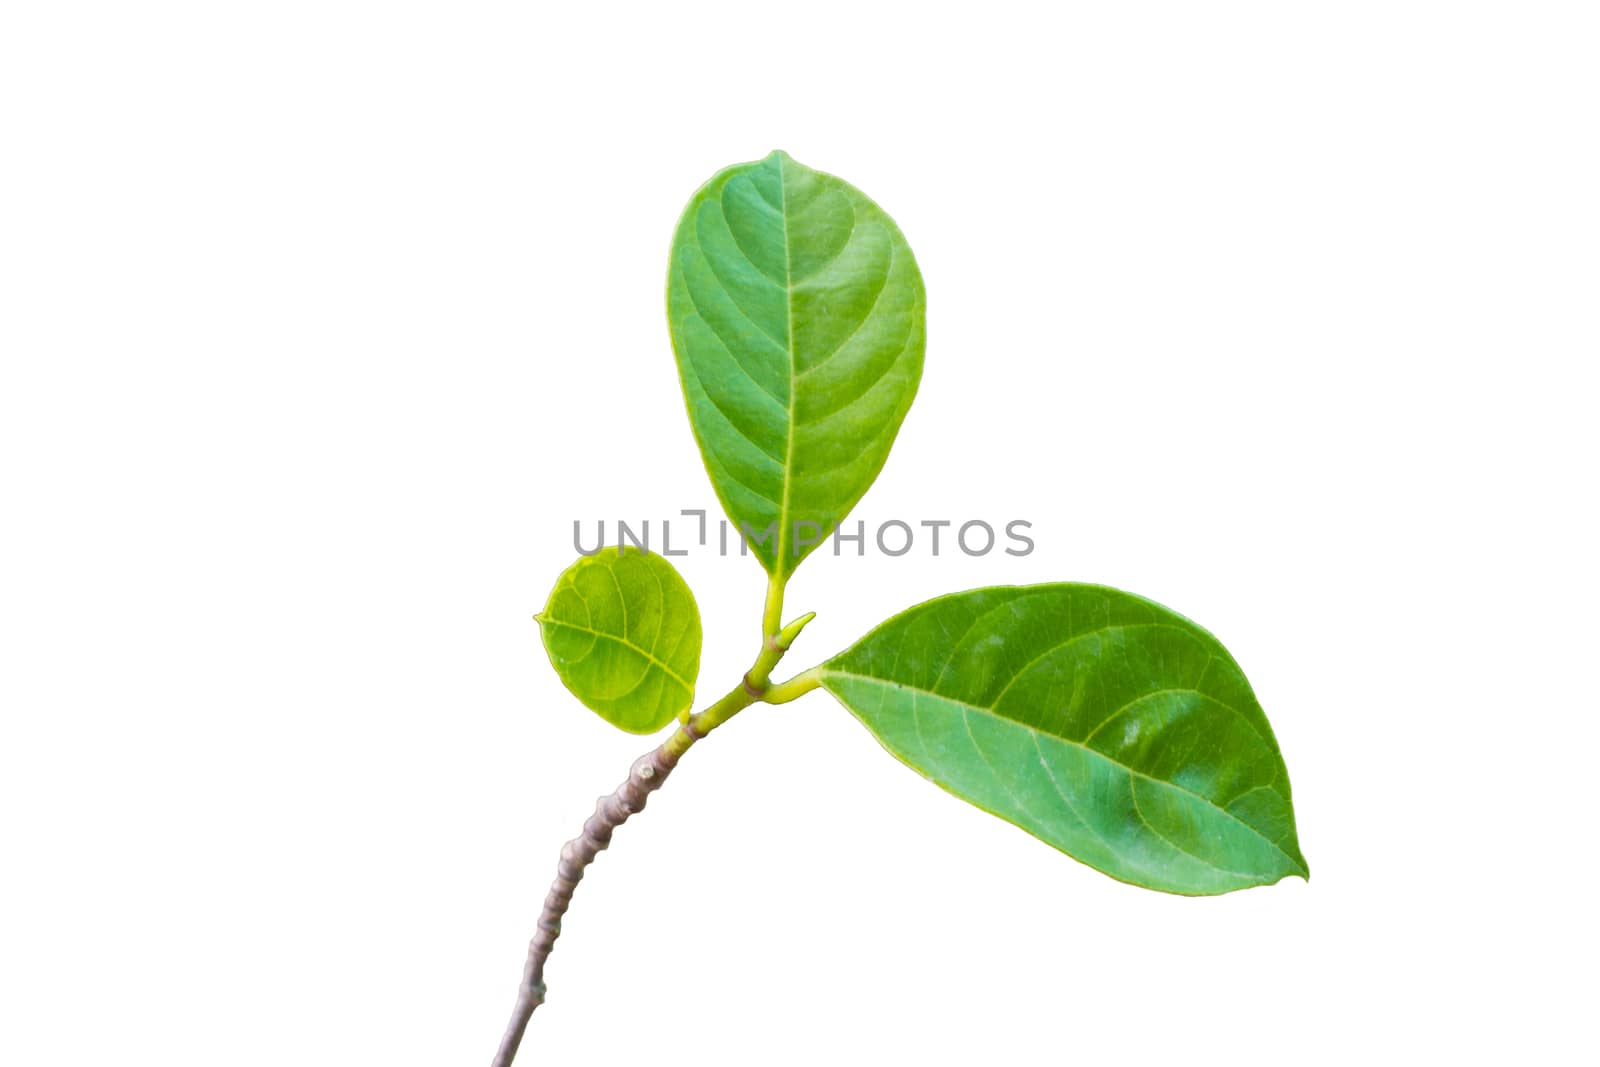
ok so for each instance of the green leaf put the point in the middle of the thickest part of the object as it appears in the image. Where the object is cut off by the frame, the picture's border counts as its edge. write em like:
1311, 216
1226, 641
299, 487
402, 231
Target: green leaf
623, 632
1101, 723
797, 315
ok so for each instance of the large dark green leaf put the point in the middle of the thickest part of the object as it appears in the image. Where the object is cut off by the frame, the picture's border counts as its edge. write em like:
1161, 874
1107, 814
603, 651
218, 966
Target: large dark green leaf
623, 631
797, 317
1106, 725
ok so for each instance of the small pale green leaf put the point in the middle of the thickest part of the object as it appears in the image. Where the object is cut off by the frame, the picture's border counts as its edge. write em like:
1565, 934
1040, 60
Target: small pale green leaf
1103, 724
797, 315
623, 632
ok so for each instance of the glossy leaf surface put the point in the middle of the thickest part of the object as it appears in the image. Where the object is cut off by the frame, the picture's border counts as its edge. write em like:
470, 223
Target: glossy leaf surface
797, 315
623, 632
1102, 723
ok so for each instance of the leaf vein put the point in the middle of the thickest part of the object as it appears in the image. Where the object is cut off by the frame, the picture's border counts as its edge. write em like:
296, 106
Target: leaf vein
1080, 745
674, 675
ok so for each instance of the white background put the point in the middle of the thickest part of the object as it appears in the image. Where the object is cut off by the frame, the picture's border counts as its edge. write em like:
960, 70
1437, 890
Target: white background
322, 322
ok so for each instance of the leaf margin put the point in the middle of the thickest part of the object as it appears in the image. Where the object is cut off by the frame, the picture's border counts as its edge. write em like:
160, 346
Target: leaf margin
780, 568
827, 671
692, 632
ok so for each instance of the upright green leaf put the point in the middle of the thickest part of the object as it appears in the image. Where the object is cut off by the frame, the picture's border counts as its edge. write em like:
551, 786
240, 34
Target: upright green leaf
623, 632
1103, 724
797, 315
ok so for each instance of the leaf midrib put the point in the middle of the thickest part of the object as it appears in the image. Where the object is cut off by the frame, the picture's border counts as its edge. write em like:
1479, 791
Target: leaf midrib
826, 672
623, 641
788, 310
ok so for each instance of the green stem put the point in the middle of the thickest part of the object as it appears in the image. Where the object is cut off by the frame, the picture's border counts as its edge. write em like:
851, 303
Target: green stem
798, 686
696, 726
772, 613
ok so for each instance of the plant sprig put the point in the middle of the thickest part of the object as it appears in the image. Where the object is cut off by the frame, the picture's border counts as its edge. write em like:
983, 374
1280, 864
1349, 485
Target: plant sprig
1102, 723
